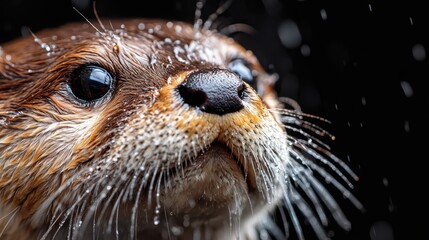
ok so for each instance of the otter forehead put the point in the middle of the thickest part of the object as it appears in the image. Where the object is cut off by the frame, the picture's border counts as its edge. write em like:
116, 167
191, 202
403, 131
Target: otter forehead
168, 43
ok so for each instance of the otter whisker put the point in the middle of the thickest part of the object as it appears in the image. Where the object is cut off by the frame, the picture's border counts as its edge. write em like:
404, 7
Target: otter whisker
334, 158
346, 193
167, 224
325, 161
288, 119
115, 208
65, 214
305, 185
153, 180
197, 19
297, 113
94, 9
272, 227
117, 222
222, 8
89, 22
237, 28
306, 175
281, 210
8, 221
133, 226
291, 211
305, 134
305, 209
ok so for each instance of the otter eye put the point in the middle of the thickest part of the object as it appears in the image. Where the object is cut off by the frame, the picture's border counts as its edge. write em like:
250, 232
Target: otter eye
241, 67
90, 83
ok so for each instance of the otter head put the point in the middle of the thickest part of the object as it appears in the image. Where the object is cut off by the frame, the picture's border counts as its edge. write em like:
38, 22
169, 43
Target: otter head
146, 129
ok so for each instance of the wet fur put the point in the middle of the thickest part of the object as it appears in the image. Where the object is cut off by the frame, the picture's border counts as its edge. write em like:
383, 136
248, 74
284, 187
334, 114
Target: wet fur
128, 166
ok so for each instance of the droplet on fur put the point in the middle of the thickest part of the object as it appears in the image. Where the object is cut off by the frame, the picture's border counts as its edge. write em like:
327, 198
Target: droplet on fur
186, 221
176, 230
141, 26
156, 219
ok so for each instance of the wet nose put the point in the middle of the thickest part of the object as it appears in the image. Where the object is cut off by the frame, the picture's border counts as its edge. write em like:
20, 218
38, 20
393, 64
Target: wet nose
216, 91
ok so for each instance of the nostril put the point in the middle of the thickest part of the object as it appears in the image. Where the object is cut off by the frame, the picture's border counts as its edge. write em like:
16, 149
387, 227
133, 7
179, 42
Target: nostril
216, 91
193, 97
240, 91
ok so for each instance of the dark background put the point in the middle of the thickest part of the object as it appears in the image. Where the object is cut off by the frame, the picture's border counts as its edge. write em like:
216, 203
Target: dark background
360, 64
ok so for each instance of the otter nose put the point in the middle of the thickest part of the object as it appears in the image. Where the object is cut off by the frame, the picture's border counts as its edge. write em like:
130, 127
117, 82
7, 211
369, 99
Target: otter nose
214, 91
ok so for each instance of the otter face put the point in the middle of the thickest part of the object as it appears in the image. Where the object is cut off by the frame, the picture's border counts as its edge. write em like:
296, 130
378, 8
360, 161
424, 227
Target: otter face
151, 129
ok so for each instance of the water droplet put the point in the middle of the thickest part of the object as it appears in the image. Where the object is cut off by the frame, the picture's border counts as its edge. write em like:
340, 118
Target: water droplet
108, 188
156, 219
186, 221
141, 26
406, 87
289, 34
153, 59
176, 230
385, 182
419, 52
263, 235
381, 230
191, 203
305, 50
178, 28
346, 194
407, 126
323, 14
8, 57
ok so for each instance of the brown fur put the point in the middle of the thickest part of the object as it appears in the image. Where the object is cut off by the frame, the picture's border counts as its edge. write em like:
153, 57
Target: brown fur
47, 138
140, 162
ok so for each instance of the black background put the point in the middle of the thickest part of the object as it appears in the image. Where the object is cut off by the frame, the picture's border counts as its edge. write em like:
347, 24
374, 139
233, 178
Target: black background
360, 61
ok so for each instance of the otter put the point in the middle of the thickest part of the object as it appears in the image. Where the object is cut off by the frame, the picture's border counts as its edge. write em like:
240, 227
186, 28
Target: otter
153, 129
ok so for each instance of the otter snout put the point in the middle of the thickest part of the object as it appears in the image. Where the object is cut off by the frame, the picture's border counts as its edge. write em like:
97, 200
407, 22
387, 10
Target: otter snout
216, 91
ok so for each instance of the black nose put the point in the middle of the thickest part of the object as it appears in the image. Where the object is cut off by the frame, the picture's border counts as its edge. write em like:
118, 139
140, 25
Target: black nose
214, 91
